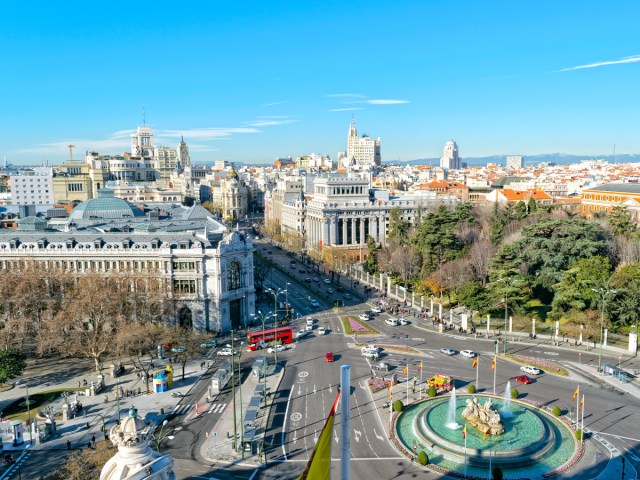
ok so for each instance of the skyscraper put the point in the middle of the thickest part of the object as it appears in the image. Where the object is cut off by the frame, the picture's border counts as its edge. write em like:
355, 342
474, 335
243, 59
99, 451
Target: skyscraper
450, 158
515, 161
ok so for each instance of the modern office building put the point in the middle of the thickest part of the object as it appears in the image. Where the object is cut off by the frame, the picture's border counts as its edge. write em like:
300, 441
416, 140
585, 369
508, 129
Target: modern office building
32, 186
450, 158
515, 162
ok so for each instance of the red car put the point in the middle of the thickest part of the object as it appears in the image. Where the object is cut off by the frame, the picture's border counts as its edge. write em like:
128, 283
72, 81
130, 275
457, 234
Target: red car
329, 356
523, 379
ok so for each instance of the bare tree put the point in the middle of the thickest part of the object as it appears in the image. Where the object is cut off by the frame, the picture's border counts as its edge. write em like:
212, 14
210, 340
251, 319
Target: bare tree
406, 262
480, 255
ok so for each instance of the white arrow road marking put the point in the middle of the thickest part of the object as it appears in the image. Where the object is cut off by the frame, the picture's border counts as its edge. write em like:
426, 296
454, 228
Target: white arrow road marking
357, 434
335, 436
315, 435
361, 386
379, 437
314, 389
299, 390
330, 389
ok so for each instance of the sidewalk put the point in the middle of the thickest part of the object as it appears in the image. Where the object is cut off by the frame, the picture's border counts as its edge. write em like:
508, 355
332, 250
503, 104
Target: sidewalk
97, 412
632, 387
218, 447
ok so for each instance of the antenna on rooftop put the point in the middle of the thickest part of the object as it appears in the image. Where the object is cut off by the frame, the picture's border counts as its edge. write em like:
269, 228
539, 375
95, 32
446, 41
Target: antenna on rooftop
144, 117
71, 153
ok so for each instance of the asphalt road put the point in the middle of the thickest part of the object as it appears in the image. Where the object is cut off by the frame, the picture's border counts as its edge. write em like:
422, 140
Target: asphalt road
309, 388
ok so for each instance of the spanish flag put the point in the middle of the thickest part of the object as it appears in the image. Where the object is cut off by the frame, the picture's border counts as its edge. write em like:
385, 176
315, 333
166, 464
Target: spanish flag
575, 394
484, 437
405, 372
464, 431
582, 402
493, 363
420, 367
319, 465
475, 362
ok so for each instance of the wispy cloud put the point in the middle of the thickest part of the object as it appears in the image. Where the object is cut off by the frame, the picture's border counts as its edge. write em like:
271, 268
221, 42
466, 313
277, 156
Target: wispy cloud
345, 109
273, 104
269, 123
213, 133
631, 59
386, 102
345, 95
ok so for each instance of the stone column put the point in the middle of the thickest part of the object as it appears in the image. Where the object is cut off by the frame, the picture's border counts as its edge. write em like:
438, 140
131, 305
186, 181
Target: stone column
397, 296
580, 340
344, 231
463, 321
533, 327
450, 316
510, 324
362, 239
431, 308
440, 310
604, 342
633, 342
373, 227
388, 285
557, 331
324, 224
488, 325
421, 303
353, 231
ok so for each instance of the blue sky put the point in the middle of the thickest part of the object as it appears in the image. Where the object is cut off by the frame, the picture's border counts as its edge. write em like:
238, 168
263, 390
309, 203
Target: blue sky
249, 81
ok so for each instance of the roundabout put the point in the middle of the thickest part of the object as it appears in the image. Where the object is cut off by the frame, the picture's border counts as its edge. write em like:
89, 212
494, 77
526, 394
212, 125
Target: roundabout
534, 444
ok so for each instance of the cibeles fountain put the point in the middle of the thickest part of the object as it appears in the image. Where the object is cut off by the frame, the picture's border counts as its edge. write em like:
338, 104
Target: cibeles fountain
523, 440
135, 459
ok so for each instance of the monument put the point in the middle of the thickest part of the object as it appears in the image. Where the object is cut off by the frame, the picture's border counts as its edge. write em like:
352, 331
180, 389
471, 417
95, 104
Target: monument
483, 417
135, 459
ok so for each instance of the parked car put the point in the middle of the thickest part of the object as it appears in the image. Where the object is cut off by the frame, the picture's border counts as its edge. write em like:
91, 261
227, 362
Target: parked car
382, 366
179, 349
468, 353
302, 333
523, 379
316, 279
363, 317
328, 356
322, 331
347, 295
327, 281
530, 370
391, 321
209, 344
314, 303
340, 289
448, 351
403, 321
277, 348
308, 280
376, 310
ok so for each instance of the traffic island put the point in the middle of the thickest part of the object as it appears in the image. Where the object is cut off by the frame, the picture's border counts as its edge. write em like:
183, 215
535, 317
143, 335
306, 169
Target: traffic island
353, 326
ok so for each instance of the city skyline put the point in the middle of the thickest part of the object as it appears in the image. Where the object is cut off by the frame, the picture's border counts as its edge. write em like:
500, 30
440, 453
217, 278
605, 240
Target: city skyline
252, 82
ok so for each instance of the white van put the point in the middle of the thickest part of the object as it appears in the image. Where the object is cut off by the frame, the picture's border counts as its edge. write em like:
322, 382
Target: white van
391, 321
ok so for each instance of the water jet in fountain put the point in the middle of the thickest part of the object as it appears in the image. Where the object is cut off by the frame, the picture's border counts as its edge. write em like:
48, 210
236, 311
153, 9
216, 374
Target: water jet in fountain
506, 406
451, 412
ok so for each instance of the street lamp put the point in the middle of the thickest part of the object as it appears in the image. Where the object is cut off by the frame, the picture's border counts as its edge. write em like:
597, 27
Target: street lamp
603, 292
160, 438
263, 318
276, 293
508, 282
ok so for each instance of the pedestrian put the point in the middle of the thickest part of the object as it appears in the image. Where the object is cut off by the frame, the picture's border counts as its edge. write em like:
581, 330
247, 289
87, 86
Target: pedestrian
93, 439
89, 445
79, 384
68, 445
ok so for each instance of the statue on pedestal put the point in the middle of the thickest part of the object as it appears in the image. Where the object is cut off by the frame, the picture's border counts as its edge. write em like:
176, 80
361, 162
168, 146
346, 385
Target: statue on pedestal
483, 417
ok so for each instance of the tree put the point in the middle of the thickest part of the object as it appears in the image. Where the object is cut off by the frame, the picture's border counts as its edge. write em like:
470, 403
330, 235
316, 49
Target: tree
261, 271
189, 201
398, 227
12, 364
496, 473
187, 346
85, 463
620, 221
625, 306
423, 458
398, 406
371, 263
405, 262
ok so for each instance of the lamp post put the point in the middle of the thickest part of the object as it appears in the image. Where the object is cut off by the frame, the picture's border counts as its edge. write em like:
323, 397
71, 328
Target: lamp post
603, 292
28, 403
240, 393
508, 282
276, 293
160, 438
263, 318
233, 393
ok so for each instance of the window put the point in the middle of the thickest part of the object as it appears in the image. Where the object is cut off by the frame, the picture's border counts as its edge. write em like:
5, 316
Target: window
233, 276
184, 287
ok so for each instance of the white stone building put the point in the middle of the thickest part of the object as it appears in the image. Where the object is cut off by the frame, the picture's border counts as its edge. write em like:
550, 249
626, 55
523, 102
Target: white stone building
450, 157
363, 151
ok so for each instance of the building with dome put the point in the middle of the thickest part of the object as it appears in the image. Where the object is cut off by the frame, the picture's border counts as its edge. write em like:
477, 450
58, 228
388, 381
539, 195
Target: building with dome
135, 458
208, 267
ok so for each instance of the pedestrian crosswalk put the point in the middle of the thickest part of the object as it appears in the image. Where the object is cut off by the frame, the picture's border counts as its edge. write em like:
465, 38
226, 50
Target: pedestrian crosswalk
217, 407
182, 409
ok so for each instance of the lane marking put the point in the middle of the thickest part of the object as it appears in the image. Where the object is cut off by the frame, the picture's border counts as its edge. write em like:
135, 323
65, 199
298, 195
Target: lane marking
284, 425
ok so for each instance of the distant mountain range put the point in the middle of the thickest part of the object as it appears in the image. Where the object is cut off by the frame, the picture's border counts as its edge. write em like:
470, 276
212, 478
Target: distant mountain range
529, 160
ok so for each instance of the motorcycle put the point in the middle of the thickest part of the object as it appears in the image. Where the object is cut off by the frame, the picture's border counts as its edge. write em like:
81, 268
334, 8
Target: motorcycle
386, 405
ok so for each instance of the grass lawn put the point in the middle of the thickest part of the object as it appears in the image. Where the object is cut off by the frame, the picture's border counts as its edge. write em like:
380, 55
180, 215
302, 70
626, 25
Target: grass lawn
353, 326
17, 410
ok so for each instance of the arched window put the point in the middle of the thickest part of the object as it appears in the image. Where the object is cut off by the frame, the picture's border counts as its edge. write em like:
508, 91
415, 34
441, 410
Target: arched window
233, 276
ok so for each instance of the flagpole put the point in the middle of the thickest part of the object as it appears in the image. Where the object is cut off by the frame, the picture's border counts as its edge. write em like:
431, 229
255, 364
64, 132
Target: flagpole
407, 383
490, 454
582, 436
477, 374
465, 448
345, 422
578, 408
420, 386
495, 371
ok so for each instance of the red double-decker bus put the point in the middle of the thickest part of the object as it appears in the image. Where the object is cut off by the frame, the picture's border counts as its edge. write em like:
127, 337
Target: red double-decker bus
262, 338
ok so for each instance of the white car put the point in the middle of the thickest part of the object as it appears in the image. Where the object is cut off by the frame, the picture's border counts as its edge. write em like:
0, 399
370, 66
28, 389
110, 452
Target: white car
376, 310
391, 321
370, 348
302, 333
314, 303
363, 316
468, 353
368, 354
327, 281
226, 352
322, 331
402, 321
310, 321
277, 348
530, 370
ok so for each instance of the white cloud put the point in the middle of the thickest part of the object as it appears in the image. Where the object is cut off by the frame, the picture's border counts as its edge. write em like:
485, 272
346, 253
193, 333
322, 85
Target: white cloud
273, 104
386, 102
345, 109
346, 95
204, 133
631, 59
269, 123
